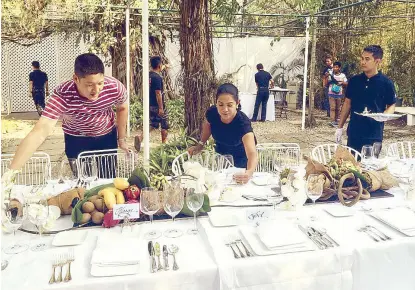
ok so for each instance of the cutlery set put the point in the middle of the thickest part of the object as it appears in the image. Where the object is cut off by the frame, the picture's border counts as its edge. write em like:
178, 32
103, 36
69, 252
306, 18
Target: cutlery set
59, 261
319, 237
155, 251
239, 249
374, 233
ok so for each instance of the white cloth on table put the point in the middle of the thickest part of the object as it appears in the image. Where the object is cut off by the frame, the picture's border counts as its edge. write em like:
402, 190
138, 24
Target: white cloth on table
248, 104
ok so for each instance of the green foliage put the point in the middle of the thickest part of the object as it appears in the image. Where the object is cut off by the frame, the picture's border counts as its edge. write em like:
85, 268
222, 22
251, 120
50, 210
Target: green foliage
136, 113
225, 10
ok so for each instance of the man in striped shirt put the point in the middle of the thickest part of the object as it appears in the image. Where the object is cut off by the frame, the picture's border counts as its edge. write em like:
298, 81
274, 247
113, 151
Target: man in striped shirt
85, 104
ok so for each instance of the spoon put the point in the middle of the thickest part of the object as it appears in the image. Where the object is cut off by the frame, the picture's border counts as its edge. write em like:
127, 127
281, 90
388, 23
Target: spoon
173, 249
4, 264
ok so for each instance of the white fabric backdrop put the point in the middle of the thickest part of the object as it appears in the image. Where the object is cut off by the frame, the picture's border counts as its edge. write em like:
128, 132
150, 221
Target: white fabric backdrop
248, 104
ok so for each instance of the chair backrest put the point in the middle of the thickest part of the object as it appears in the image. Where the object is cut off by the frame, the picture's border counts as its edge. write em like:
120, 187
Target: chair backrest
404, 149
111, 163
210, 160
36, 171
324, 152
272, 156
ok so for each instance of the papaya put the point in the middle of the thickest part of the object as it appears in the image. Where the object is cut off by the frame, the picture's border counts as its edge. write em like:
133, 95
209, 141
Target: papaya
205, 207
139, 178
121, 183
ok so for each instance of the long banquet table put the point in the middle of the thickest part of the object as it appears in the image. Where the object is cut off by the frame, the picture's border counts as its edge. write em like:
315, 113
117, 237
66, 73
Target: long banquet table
205, 262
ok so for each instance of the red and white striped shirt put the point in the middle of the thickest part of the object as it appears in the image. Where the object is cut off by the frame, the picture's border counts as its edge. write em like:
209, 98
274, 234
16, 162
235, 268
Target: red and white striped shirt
84, 117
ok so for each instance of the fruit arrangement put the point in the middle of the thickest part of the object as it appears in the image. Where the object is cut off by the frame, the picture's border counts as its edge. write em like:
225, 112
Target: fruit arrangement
98, 202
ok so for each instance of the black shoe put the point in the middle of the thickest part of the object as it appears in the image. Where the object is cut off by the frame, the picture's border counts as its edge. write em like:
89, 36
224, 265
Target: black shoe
137, 143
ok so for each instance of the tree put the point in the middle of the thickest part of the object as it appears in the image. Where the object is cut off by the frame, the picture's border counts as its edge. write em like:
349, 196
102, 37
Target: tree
197, 61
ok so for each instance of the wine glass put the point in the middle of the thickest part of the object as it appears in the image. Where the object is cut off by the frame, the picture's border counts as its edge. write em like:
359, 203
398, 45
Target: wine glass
89, 171
314, 189
173, 203
38, 213
149, 205
377, 149
194, 202
228, 159
14, 214
68, 172
367, 154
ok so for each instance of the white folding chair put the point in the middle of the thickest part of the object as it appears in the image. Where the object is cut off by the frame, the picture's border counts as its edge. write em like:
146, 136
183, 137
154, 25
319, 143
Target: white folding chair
274, 155
36, 171
404, 149
324, 152
110, 163
210, 160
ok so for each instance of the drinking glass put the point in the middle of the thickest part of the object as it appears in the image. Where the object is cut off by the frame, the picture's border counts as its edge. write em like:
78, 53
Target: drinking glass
367, 154
89, 171
314, 189
377, 148
14, 215
67, 174
194, 202
38, 213
229, 158
173, 203
150, 204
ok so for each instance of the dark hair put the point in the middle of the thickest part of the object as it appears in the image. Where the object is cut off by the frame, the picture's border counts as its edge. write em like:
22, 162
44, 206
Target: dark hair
35, 64
376, 50
155, 61
228, 88
259, 66
338, 63
88, 64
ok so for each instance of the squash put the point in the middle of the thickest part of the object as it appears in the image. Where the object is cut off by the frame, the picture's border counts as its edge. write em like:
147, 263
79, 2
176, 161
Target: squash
121, 183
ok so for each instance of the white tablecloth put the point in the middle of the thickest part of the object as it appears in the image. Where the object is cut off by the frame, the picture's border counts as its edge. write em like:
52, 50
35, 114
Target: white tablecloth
248, 103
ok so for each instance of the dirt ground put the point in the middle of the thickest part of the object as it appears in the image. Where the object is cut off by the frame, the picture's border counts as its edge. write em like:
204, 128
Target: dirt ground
15, 127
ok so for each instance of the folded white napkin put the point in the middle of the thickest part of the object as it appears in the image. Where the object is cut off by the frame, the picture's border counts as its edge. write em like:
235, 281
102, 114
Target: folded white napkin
278, 234
115, 249
401, 218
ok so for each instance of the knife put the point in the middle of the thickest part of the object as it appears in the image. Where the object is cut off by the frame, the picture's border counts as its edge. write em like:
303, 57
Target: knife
165, 258
322, 238
152, 260
311, 237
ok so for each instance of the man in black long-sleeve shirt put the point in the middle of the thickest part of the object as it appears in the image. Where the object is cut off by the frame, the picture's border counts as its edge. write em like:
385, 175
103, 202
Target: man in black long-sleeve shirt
38, 86
264, 81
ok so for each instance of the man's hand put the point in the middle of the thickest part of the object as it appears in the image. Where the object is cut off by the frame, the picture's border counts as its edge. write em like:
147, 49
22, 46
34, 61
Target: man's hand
338, 135
243, 177
195, 149
122, 144
161, 112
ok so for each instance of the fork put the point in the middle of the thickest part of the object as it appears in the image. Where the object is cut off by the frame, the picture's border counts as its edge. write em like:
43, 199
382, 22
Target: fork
370, 234
382, 235
70, 258
62, 262
55, 264
248, 253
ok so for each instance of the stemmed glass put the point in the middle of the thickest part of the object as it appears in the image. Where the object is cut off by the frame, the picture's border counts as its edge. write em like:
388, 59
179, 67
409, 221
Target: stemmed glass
194, 202
173, 203
314, 189
14, 214
367, 154
89, 171
377, 148
68, 172
38, 213
149, 205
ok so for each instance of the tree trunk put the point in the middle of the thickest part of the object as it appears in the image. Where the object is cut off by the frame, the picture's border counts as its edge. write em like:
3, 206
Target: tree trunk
311, 120
197, 62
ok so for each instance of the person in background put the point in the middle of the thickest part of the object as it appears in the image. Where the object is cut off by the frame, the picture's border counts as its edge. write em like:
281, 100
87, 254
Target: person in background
372, 90
264, 82
38, 86
85, 104
337, 85
328, 70
158, 110
232, 131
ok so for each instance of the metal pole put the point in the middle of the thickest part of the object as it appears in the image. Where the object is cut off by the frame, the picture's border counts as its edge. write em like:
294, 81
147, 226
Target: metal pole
127, 61
307, 40
146, 89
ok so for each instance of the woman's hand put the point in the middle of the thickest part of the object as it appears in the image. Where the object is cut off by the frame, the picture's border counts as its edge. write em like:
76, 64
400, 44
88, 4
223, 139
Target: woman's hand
195, 149
243, 177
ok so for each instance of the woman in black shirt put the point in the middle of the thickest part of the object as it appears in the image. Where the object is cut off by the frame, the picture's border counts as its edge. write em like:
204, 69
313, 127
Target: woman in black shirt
231, 130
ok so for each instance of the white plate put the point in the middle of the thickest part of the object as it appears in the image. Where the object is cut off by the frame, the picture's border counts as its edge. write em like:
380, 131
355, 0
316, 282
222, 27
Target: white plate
400, 219
380, 117
260, 180
223, 217
251, 237
269, 232
98, 271
69, 238
340, 210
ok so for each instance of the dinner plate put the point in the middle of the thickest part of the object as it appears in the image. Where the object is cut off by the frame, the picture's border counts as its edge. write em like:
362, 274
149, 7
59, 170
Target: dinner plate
69, 238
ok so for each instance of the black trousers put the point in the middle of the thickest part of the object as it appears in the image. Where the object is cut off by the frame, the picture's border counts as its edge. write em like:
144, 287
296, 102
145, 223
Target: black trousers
39, 99
74, 145
261, 99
